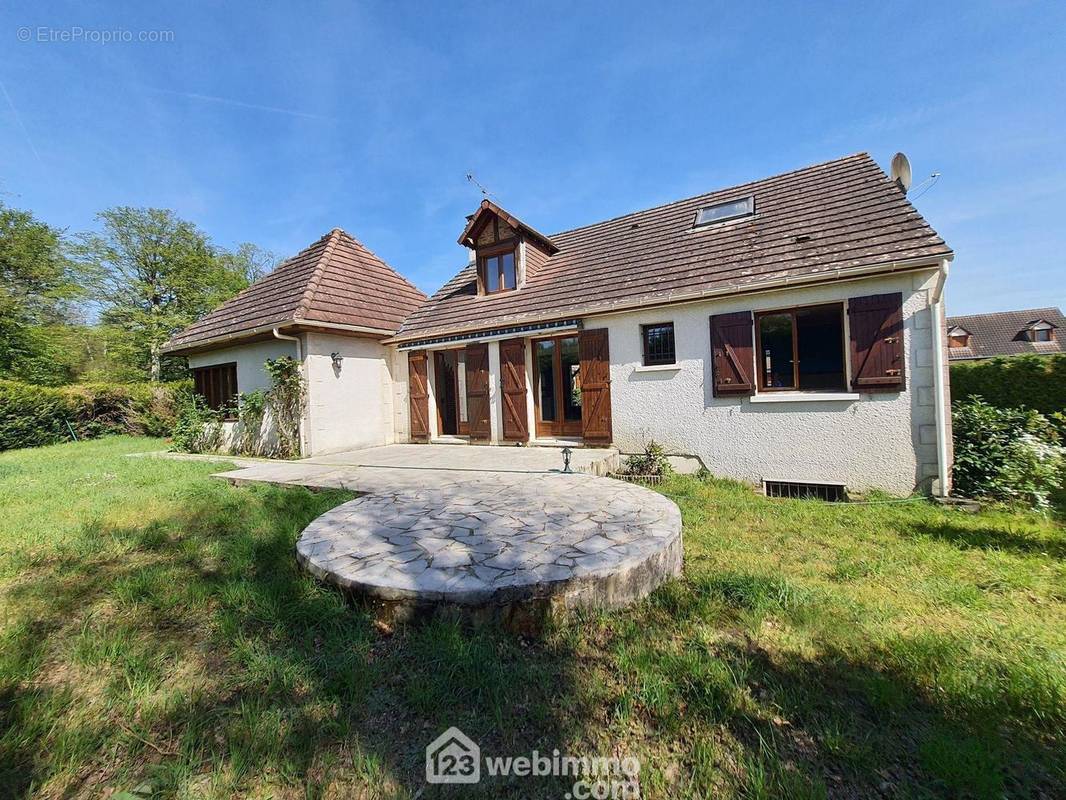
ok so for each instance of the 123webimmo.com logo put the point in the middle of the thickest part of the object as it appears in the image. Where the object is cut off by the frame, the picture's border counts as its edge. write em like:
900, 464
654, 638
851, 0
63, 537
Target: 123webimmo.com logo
455, 758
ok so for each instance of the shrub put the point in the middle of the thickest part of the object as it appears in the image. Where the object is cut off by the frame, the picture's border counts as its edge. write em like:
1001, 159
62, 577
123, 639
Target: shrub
1007, 454
1032, 381
651, 463
197, 429
31, 415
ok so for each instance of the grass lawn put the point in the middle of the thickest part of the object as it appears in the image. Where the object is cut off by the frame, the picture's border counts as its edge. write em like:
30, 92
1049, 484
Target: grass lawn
157, 639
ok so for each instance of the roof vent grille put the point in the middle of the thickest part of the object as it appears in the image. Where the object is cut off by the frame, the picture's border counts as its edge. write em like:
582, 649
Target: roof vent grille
797, 490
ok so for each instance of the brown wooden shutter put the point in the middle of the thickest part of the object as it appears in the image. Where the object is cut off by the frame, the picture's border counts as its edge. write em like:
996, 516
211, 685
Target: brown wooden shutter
595, 377
733, 353
876, 324
417, 363
477, 391
513, 385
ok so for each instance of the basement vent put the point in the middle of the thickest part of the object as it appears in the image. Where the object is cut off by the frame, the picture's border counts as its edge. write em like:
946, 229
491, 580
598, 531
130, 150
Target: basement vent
795, 490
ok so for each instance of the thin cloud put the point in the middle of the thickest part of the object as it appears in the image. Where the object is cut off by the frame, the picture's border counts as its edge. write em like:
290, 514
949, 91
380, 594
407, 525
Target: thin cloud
226, 101
18, 120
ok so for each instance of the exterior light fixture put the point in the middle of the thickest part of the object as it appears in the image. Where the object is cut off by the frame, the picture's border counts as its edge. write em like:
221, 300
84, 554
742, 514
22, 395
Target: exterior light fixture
567, 452
337, 359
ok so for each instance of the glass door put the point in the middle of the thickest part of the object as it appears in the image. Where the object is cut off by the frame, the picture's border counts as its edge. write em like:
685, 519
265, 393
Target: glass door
557, 386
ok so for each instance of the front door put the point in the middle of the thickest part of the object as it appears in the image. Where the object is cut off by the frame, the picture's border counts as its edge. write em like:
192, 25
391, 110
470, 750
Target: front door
557, 386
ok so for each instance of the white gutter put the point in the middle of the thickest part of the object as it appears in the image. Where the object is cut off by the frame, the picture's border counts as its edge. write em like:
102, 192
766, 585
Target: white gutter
299, 357
216, 341
734, 290
940, 401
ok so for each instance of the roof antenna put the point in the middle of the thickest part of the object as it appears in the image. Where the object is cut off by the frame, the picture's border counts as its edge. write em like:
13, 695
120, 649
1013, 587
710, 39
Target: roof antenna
484, 192
931, 180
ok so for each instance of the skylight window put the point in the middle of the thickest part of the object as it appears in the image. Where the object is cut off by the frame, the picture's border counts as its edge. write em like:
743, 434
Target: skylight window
721, 212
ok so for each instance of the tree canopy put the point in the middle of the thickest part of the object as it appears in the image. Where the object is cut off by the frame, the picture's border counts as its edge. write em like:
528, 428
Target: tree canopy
38, 283
152, 274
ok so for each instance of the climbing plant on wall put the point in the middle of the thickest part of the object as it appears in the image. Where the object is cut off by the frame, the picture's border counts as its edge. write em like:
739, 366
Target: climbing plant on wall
285, 398
249, 439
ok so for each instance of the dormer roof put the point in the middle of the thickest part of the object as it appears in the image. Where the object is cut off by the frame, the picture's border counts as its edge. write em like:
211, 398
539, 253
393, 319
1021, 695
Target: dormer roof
485, 214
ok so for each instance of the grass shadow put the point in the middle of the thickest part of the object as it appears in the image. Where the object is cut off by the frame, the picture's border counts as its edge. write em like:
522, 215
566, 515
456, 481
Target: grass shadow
217, 666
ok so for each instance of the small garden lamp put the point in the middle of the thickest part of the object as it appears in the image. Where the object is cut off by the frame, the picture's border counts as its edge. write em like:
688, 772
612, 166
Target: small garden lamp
567, 452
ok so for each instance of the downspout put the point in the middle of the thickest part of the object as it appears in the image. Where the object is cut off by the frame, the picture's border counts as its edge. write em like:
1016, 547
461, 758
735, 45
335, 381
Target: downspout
300, 358
940, 404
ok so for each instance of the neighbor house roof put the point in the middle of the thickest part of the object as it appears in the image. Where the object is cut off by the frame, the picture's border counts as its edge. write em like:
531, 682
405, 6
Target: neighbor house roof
1003, 333
334, 282
807, 224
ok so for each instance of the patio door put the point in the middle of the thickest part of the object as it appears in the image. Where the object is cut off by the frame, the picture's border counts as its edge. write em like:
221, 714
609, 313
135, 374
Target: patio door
557, 386
449, 369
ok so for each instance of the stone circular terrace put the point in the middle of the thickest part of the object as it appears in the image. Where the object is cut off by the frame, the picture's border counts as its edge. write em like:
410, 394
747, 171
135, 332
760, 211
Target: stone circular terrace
484, 539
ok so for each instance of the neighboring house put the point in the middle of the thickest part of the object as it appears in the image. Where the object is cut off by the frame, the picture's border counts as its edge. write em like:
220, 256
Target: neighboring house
1006, 333
789, 329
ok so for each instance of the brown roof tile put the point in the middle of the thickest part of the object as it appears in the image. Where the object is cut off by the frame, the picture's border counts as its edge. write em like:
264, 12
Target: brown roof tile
1003, 333
852, 214
335, 280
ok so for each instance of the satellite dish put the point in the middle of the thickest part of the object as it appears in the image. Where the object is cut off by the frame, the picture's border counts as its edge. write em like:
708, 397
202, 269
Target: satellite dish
901, 171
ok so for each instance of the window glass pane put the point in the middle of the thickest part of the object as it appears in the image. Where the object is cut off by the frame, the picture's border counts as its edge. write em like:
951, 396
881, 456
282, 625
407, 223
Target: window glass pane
492, 274
571, 379
820, 340
460, 370
775, 340
724, 211
659, 344
546, 379
508, 270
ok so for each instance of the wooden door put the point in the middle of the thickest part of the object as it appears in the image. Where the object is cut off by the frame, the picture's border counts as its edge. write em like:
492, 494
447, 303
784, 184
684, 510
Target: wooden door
513, 385
417, 383
477, 391
595, 387
444, 381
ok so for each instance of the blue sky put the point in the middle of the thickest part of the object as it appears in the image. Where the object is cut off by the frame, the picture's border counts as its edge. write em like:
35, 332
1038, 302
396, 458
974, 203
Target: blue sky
273, 123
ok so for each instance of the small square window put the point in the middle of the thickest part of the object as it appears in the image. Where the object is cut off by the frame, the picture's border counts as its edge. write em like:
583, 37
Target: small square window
1042, 335
498, 272
658, 341
720, 212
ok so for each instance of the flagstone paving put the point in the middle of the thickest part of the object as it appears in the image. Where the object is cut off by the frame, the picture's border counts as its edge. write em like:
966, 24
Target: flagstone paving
497, 539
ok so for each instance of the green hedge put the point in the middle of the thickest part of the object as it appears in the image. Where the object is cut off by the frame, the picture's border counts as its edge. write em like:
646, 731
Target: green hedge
1037, 382
32, 415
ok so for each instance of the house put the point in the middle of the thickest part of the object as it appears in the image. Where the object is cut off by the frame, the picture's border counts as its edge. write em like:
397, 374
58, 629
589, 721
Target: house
1005, 333
785, 331
331, 307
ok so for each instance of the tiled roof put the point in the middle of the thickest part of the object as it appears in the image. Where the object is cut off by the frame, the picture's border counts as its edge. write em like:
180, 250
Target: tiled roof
838, 215
1002, 333
335, 280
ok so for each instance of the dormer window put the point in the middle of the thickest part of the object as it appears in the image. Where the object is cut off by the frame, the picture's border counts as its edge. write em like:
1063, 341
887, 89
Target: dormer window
498, 271
723, 212
1040, 331
958, 337
507, 250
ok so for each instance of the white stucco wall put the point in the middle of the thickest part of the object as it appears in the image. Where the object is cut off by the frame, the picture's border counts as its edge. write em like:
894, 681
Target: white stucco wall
351, 406
885, 441
250, 374
250, 359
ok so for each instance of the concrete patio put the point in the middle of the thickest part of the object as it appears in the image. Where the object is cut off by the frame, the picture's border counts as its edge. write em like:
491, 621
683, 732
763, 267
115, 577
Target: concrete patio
491, 528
